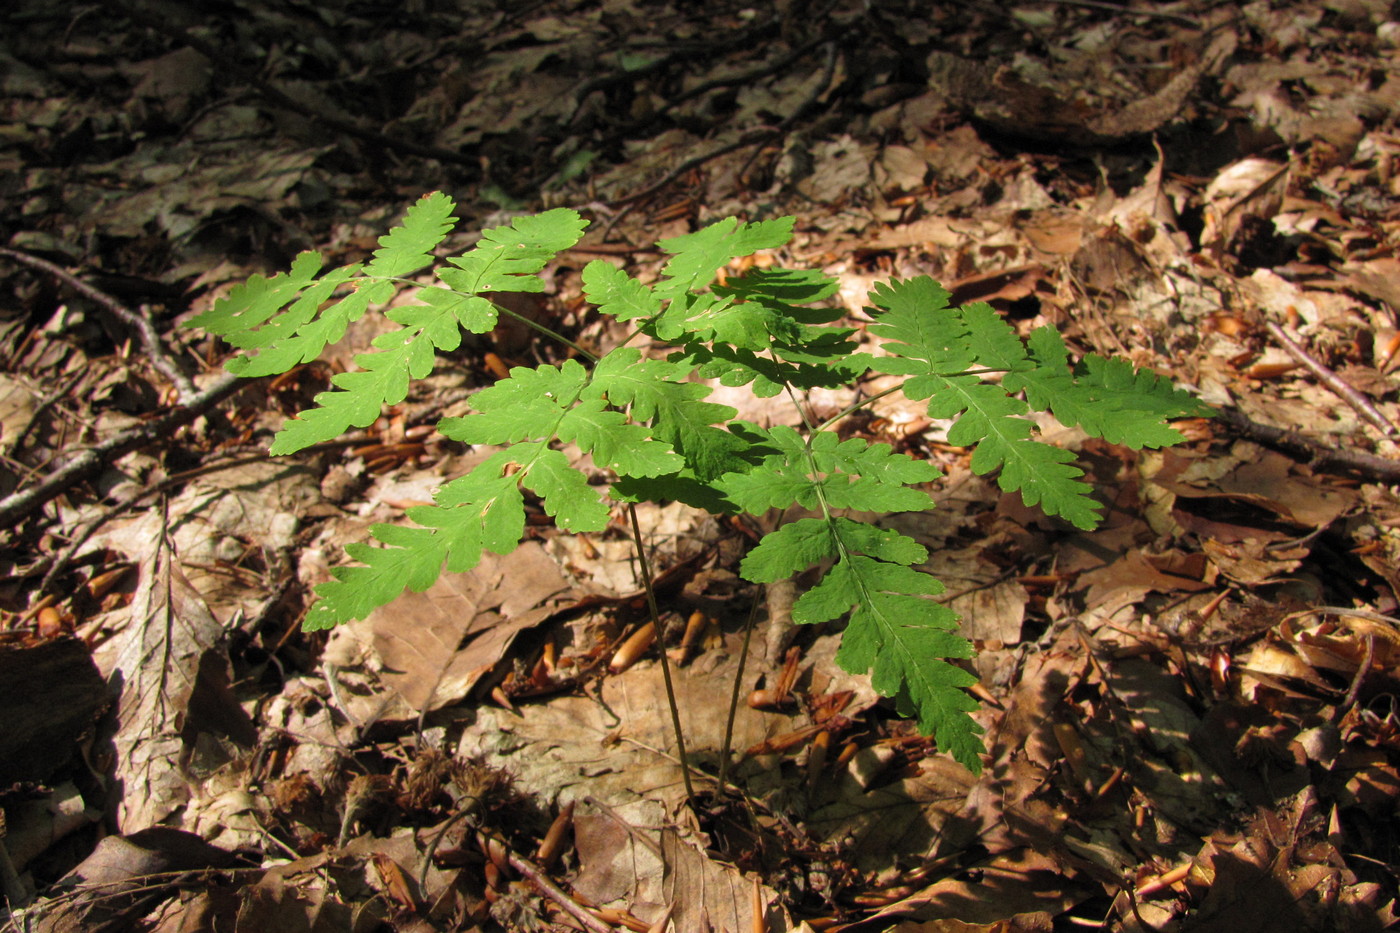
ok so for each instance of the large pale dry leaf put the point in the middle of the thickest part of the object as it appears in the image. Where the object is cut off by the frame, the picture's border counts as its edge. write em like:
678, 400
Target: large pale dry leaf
1168, 772
156, 663
708, 892
1130, 577
631, 857
213, 519
616, 754
17, 405
913, 816
432, 647
1250, 188
122, 879
1018, 890
991, 608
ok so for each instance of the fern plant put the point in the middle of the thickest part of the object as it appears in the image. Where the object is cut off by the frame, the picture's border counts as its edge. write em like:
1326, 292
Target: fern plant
648, 423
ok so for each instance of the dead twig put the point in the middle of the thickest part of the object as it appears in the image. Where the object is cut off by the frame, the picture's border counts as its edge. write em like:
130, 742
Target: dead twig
1124, 11
88, 463
629, 202
573, 908
1334, 382
1354, 690
746, 78
1318, 455
85, 531
138, 321
40, 410
752, 138
226, 65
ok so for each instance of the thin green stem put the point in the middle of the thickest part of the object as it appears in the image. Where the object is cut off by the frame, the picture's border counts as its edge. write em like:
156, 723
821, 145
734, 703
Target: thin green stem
801, 411
552, 334
857, 406
645, 564
501, 309
738, 686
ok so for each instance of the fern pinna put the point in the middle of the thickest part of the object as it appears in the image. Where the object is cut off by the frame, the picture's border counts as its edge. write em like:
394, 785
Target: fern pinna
647, 421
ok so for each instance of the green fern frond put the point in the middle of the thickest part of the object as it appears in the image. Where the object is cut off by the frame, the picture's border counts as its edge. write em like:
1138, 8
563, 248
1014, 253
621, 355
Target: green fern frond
894, 631
239, 316
1105, 397
529, 403
549, 402
788, 289
411, 559
658, 394
409, 247
758, 333
696, 257
851, 474
903, 639
920, 332
251, 317
483, 510
617, 293
990, 420
658, 434
795, 546
568, 499
507, 259
934, 345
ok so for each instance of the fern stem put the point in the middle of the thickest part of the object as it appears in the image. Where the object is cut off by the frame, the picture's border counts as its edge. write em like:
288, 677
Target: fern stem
738, 686
502, 309
542, 329
801, 411
857, 406
645, 565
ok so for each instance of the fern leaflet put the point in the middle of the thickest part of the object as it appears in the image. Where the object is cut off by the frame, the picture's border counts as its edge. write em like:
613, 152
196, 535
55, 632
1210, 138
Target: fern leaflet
934, 345
894, 632
1105, 397
251, 317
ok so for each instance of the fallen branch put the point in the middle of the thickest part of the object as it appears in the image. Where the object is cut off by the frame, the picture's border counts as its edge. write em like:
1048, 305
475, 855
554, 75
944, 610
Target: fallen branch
1318, 455
555, 893
138, 321
88, 463
1334, 382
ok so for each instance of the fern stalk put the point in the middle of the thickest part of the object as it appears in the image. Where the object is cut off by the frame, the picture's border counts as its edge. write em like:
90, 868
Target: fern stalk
645, 564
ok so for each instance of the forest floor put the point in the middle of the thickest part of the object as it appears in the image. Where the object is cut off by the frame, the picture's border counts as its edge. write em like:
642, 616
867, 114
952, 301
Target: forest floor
1191, 712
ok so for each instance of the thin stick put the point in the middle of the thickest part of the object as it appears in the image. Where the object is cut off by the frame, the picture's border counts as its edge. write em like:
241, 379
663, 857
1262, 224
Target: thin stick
754, 137
228, 66
1334, 382
78, 537
1355, 689
42, 409
1122, 11
629, 202
745, 79
1318, 455
734, 697
555, 893
645, 565
136, 320
469, 806
93, 460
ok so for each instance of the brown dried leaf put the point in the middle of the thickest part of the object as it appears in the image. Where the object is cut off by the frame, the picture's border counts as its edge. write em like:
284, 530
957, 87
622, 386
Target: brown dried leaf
433, 647
168, 653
